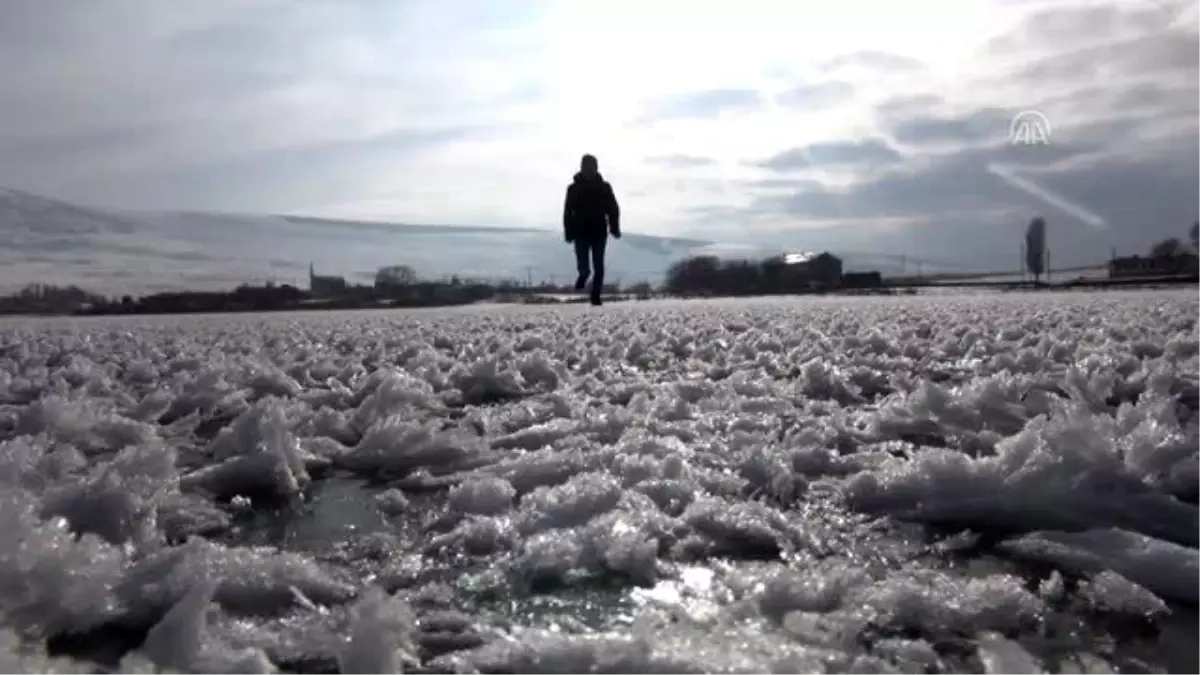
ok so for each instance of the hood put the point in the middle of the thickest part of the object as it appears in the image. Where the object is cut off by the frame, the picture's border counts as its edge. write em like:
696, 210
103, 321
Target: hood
580, 178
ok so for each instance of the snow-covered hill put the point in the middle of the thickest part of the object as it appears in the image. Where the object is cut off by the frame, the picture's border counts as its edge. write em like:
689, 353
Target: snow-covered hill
57, 242
52, 241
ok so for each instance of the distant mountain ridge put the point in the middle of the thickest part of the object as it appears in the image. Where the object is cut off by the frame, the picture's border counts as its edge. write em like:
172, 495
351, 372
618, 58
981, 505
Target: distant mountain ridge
113, 251
373, 225
53, 241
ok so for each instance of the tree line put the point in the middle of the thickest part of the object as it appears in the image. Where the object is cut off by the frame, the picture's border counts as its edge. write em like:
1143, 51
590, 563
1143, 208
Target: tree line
48, 299
399, 286
402, 291
1173, 246
710, 275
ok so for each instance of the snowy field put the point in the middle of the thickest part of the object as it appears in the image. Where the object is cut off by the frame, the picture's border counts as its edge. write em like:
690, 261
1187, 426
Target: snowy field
998, 483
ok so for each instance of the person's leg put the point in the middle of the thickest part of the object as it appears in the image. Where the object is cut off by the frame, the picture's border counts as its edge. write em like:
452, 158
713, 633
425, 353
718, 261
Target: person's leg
581, 262
599, 244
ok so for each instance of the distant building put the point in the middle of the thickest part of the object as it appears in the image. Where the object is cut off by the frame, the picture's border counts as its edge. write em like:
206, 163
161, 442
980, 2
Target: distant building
814, 269
1153, 266
324, 287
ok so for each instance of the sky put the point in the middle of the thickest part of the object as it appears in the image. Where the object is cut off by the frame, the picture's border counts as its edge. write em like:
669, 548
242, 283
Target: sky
865, 124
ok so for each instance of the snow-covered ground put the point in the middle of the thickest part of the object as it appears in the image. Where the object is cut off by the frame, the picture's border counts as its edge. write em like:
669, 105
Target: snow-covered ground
984, 483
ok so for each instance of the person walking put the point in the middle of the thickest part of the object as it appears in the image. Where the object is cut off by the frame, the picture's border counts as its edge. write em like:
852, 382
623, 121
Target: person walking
590, 215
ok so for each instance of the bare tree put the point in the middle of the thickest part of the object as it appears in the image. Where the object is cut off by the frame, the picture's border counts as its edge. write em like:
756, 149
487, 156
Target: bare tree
1035, 247
1194, 234
695, 274
395, 275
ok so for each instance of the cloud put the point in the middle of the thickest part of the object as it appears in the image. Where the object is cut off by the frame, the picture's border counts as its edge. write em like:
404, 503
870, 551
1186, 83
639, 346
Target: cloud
873, 60
951, 183
1093, 202
818, 125
706, 104
1119, 84
680, 161
1070, 25
872, 152
818, 95
139, 110
985, 126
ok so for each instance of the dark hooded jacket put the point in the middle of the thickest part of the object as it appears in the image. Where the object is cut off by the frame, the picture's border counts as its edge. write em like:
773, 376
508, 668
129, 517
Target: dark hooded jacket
591, 208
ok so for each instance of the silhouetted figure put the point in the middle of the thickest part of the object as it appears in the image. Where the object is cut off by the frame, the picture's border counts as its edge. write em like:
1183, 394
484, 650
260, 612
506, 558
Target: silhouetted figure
590, 214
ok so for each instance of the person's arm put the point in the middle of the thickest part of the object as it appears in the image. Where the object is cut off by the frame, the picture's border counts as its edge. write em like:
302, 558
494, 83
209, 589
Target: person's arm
614, 214
569, 214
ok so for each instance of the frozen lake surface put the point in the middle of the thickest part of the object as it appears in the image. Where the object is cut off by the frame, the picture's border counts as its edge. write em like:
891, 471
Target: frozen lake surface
985, 483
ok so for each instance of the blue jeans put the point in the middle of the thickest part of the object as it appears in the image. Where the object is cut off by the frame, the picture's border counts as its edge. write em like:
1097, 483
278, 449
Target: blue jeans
590, 249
